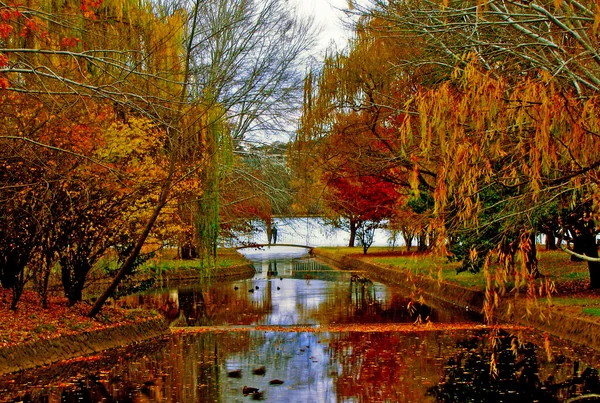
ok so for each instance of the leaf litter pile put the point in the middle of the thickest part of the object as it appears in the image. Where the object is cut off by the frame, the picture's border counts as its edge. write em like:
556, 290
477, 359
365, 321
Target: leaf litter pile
30, 322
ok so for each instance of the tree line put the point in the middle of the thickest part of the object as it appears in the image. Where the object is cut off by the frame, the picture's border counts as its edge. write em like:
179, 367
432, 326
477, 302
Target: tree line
472, 125
123, 123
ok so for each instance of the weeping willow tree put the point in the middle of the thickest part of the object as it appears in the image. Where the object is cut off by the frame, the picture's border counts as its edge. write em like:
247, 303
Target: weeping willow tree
206, 220
537, 62
120, 52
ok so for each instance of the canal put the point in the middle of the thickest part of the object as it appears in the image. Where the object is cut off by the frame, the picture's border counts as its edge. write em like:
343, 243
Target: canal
300, 331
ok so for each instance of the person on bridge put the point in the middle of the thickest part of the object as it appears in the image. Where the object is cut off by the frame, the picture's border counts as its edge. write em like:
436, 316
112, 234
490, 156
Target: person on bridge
273, 235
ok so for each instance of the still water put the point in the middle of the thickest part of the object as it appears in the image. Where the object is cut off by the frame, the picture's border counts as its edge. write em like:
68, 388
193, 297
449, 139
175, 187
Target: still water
299, 331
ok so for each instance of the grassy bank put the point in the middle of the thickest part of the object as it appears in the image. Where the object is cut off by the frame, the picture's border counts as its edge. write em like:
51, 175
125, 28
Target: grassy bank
568, 279
166, 265
167, 261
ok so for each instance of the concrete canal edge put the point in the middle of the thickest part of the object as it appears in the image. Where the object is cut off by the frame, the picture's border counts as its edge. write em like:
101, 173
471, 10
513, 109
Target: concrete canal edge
554, 320
240, 271
44, 352
174, 277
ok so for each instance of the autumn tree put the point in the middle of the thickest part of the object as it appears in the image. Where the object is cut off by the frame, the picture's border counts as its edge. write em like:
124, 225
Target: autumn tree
200, 73
510, 39
63, 166
103, 215
358, 183
520, 79
246, 58
363, 201
241, 62
55, 62
351, 111
542, 149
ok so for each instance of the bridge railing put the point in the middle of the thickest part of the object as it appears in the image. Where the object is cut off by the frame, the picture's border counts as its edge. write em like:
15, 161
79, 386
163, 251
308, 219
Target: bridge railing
285, 236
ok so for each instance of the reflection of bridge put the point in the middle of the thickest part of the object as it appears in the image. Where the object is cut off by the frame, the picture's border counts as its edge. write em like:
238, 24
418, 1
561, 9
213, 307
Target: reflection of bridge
296, 268
307, 265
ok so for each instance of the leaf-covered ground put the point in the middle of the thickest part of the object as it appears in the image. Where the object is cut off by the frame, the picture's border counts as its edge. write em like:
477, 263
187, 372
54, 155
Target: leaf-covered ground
31, 322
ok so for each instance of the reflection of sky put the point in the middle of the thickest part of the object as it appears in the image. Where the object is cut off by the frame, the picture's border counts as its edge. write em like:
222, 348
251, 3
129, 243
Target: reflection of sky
284, 310
314, 367
301, 360
296, 302
304, 292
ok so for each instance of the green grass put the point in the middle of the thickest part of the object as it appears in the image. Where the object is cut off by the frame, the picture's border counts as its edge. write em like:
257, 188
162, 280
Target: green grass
166, 261
554, 265
77, 326
567, 301
594, 311
587, 305
44, 328
433, 266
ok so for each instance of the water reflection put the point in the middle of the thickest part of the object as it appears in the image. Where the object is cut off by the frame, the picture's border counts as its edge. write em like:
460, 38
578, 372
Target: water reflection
279, 363
411, 366
290, 292
518, 373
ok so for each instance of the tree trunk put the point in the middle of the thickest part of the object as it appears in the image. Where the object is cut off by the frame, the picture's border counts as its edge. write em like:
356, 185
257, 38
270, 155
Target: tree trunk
353, 228
78, 276
44, 277
135, 251
189, 251
13, 276
408, 238
590, 249
550, 241
17, 289
578, 247
422, 239
531, 262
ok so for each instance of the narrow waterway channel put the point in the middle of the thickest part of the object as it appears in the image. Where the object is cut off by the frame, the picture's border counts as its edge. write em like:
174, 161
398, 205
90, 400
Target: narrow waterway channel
299, 331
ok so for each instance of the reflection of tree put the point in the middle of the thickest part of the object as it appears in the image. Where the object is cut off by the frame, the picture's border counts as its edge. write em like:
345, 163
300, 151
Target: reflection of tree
366, 305
193, 306
185, 368
198, 306
468, 377
272, 268
223, 305
384, 366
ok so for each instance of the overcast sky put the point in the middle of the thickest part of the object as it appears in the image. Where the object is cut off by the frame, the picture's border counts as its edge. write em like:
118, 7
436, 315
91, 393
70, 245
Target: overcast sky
329, 17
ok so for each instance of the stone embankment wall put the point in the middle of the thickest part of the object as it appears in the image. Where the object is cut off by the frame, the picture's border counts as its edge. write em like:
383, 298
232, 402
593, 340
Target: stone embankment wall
174, 277
43, 352
443, 291
241, 271
557, 321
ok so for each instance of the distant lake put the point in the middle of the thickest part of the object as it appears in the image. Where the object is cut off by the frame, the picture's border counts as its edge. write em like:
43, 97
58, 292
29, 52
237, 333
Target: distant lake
311, 231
